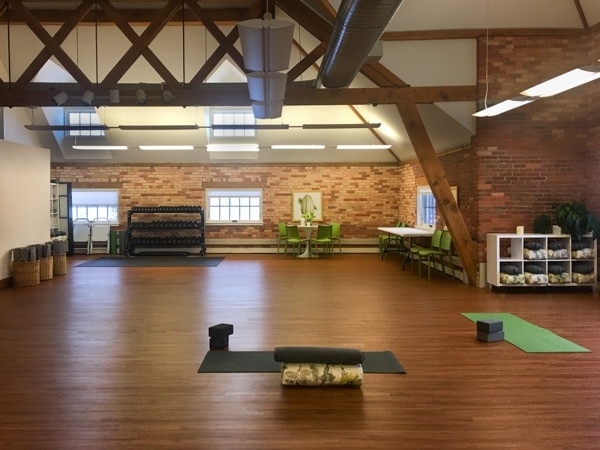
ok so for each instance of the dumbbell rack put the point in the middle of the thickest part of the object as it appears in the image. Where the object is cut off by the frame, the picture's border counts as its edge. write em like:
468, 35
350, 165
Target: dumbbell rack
150, 233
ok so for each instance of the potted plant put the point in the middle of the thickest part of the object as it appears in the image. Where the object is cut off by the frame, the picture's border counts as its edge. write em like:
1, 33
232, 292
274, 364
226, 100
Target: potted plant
574, 218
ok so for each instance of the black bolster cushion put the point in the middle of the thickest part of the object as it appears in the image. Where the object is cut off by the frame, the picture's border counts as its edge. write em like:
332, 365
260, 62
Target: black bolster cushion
325, 355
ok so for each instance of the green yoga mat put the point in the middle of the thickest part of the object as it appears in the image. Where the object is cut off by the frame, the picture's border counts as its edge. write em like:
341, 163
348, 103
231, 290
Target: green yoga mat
529, 337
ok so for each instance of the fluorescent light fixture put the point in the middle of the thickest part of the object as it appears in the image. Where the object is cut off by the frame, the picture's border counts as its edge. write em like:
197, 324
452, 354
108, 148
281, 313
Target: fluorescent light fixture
504, 106
564, 82
87, 98
251, 127
166, 147
232, 148
158, 127
66, 127
297, 147
334, 126
60, 98
363, 147
100, 147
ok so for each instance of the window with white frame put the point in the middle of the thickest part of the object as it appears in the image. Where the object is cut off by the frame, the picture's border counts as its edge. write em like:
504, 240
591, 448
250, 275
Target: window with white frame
81, 117
243, 205
233, 117
95, 204
426, 208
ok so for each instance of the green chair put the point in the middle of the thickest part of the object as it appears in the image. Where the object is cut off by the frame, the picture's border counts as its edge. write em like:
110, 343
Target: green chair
385, 240
430, 255
293, 238
415, 252
324, 238
282, 234
336, 235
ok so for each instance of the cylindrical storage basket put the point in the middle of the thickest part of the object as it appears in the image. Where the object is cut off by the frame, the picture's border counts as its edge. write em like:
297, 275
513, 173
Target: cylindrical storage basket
60, 264
26, 273
46, 268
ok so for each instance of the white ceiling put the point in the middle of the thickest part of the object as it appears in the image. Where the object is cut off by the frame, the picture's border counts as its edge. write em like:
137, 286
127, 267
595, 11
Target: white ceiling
417, 62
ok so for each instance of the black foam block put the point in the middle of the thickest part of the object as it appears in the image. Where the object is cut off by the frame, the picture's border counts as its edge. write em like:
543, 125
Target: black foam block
219, 342
220, 330
490, 337
489, 325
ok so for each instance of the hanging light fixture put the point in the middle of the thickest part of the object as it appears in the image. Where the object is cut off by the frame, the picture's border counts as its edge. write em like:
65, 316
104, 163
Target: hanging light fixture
564, 82
266, 47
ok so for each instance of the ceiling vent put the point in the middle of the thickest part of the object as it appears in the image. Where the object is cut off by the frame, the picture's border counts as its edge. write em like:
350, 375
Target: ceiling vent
358, 27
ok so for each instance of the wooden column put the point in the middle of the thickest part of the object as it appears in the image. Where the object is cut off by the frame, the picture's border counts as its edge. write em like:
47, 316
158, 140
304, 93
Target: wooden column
440, 188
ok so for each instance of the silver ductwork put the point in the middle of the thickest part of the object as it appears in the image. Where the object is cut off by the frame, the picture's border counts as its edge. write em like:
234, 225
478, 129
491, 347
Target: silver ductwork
358, 27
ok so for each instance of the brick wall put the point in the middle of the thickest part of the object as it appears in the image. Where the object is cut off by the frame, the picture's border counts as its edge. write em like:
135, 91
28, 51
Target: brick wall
361, 197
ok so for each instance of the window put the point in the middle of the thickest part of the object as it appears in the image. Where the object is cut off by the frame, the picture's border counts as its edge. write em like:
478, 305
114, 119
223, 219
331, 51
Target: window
230, 117
83, 117
234, 206
426, 210
92, 204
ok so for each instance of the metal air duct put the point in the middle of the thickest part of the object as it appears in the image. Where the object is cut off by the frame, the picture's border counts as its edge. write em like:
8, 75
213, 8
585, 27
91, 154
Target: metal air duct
358, 27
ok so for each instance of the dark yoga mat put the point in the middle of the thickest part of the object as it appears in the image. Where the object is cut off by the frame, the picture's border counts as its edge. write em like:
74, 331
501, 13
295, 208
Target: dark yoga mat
153, 261
238, 362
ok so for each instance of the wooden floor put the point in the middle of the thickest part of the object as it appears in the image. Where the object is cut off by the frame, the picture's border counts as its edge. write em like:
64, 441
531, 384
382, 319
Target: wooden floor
107, 358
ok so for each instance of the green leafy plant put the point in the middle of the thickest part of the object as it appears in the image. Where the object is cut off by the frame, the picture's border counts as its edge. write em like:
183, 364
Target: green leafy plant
308, 216
575, 219
542, 224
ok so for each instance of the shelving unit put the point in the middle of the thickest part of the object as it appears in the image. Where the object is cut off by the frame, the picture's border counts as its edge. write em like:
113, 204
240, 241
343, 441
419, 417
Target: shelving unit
151, 233
540, 260
54, 209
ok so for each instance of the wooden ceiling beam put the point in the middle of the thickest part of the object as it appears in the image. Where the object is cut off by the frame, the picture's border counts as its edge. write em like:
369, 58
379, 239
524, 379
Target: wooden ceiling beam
216, 32
45, 54
134, 52
133, 37
50, 43
440, 188
236, 94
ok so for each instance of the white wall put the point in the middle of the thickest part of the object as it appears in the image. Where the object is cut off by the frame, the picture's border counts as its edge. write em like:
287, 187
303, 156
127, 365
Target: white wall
24, 199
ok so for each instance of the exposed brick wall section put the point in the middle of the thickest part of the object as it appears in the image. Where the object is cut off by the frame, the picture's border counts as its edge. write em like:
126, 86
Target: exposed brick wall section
542, 153
360, 197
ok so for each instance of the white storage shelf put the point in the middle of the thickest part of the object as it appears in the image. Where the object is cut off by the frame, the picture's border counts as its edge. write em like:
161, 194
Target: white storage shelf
540, 260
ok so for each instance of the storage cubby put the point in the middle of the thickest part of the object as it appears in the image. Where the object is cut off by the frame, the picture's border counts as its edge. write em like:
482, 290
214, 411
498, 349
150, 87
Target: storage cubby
540, 260
165, 229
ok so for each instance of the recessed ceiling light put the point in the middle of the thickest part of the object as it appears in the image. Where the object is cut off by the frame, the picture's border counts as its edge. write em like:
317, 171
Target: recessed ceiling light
166, 147
363, 147
297, 147
100, 147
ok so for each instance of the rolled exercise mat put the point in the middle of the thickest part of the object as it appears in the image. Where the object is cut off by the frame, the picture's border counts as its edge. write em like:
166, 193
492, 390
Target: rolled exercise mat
319, 374
327, 355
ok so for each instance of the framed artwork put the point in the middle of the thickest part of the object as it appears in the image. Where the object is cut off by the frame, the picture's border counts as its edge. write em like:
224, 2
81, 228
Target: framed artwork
307, 201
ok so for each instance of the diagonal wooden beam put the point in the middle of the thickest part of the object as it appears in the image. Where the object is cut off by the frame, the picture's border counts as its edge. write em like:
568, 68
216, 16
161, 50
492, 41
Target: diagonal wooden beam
440, 188
134, 52
211, 62
130, 34
381, 75
216, 32
51, 44
310, 59
36, 65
